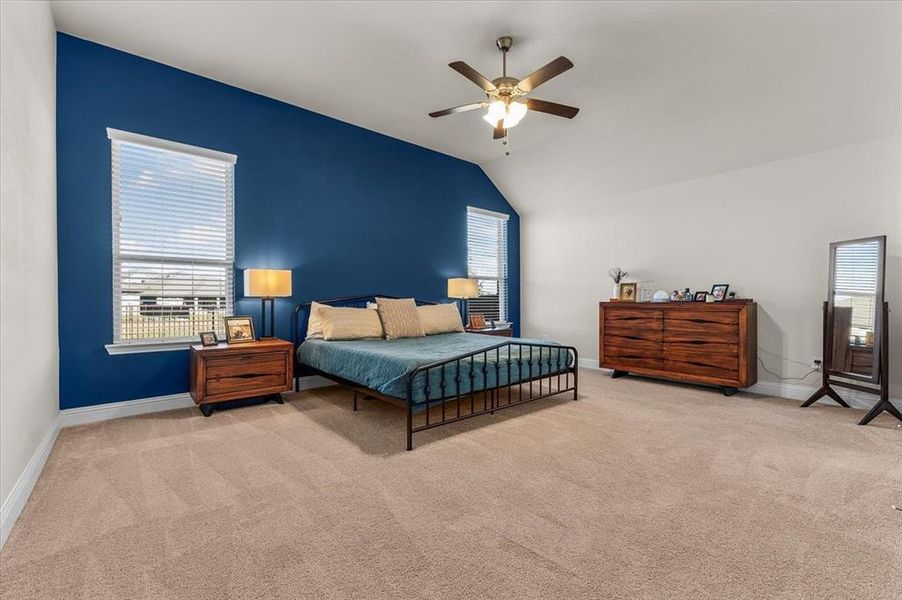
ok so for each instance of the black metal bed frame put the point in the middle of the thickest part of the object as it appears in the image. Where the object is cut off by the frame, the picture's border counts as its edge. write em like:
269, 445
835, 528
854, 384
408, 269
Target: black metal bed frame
447, 403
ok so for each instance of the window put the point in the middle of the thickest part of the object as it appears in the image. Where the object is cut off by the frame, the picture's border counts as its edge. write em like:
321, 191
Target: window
856, 285
487, 262
173, 240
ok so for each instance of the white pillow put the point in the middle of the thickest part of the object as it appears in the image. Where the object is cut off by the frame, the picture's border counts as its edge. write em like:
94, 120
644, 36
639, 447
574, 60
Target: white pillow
315, 322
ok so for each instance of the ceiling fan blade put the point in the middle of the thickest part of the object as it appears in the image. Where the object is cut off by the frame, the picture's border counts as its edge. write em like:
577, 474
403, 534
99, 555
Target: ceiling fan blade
473, 75
458, 109
499, 130
543, 74
552, 108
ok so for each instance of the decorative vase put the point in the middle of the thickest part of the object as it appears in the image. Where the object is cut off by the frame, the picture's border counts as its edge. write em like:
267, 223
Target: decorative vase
615, 292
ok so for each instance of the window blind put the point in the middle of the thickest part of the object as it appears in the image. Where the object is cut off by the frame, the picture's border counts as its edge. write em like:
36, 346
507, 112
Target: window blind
173, 239
855, 268
487, 262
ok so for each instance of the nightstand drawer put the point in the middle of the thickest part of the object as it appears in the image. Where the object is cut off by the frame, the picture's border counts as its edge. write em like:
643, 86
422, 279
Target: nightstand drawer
268, 363
249, 382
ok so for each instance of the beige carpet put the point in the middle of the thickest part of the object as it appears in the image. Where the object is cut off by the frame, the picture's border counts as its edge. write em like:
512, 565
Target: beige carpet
638, 490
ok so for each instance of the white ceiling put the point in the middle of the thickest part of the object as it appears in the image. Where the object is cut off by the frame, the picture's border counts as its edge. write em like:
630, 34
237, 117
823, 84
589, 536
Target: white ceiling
668, 91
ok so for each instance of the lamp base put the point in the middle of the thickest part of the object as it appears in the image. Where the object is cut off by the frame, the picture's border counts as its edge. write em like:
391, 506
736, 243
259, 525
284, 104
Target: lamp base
271, 334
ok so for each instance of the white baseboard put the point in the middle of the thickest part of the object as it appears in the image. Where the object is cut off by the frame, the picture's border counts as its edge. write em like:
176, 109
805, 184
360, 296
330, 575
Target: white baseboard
590, 363
130, 408
791, 391
18, 496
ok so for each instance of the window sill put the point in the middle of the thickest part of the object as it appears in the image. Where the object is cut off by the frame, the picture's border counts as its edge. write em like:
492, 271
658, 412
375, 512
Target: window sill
139, 348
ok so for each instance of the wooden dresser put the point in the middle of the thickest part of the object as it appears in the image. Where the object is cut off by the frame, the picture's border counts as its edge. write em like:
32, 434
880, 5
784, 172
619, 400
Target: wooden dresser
711, 343
231, 371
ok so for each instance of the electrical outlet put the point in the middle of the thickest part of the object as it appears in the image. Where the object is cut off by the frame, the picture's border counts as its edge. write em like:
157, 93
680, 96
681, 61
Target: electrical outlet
816, 364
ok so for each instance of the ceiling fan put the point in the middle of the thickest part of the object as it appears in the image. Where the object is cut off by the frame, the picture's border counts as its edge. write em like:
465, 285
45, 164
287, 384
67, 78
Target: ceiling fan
506, 96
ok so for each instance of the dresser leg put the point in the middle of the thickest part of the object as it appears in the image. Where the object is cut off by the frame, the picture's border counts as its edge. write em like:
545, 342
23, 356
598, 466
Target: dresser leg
206, 409
617, 374
728, 391
278, 398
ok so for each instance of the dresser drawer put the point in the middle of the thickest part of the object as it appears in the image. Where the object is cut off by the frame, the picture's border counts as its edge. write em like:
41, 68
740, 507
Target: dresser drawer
625, 363
248, 382
263, 363
709, 365
704, 346
679, 336
635, 318
618, 344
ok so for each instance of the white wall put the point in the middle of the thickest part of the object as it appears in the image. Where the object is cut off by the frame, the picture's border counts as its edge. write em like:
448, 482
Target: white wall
764, 229
29, 373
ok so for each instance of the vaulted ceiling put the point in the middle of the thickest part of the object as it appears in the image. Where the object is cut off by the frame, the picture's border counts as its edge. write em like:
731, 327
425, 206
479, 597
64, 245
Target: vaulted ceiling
668, 91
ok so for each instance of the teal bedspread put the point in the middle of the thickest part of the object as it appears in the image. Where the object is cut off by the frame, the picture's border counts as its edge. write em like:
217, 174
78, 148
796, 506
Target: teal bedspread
383, 365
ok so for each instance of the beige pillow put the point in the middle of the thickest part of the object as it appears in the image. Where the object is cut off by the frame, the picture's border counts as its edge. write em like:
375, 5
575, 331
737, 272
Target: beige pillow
440, 318
343, 323
400, 318
315, 322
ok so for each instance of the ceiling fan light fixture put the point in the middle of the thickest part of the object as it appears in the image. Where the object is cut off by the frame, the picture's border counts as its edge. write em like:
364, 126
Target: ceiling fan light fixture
497, 112
511, 113
515, 112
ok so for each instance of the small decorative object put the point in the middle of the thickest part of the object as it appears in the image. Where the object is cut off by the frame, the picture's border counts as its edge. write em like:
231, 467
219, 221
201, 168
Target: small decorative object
687, 295
675, 296
477, 322
709, 298
239, 329
700, 296
208, 338
628, 292
618, 275
731, 296
660, 296
719, 291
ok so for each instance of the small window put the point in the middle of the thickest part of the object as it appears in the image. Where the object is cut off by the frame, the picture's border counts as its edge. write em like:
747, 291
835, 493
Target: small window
173, 239
487, 262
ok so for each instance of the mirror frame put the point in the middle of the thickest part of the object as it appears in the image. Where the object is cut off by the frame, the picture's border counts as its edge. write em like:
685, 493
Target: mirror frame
878, 309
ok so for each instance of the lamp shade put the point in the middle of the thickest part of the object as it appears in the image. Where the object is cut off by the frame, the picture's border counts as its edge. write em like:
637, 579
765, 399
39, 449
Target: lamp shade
267, 283
461, 287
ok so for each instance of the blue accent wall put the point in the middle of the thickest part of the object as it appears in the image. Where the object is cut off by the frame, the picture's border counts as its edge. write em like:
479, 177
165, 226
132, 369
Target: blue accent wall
350, 211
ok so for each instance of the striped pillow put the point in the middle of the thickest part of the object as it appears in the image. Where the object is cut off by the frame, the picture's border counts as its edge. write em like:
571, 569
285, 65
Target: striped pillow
400, 318
343, 323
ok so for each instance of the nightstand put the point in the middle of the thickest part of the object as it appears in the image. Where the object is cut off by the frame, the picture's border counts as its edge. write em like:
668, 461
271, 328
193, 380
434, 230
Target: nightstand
507, 332
233, 371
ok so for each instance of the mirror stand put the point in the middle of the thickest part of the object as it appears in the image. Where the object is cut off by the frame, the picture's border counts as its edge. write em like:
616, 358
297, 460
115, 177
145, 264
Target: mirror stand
830, 380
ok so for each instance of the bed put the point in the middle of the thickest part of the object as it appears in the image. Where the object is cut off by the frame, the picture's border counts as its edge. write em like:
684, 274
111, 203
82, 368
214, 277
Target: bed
440, 379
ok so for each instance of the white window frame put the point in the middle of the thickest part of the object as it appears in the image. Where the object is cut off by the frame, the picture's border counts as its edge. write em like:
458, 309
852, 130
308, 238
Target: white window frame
503, 262
138, 346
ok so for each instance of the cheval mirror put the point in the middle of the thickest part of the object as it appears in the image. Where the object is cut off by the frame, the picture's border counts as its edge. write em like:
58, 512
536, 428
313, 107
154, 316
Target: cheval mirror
856, 318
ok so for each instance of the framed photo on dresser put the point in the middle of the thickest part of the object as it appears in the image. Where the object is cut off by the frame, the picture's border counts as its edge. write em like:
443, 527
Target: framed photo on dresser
239, 329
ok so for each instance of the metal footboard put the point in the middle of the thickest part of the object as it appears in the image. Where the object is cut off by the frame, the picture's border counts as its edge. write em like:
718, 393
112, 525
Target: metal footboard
473, 384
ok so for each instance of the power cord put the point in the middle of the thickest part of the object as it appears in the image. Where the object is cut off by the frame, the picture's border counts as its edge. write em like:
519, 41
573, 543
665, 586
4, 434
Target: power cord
780, 377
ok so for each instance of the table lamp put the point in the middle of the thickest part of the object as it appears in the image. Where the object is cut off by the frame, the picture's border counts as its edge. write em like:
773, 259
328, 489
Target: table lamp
267, 284
461, 288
